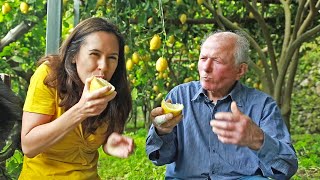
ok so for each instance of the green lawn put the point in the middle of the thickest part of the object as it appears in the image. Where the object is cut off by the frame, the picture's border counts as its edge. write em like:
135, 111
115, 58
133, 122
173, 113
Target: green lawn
139, 167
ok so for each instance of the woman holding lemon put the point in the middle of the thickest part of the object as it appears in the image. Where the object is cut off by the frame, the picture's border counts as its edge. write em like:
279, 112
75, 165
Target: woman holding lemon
65, 120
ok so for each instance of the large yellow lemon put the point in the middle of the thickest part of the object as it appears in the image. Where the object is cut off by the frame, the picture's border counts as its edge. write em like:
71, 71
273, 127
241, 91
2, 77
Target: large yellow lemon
129, 64
24, 7
135, 57
155, 42
175, 109
98, 83
161, 64
6, 8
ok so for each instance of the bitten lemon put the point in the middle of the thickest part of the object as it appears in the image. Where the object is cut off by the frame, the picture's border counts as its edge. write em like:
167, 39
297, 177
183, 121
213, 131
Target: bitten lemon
98, 83
175, 109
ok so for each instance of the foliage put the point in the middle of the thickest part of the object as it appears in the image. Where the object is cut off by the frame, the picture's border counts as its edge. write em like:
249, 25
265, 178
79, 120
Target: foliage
139, 167
307, 147
14, 164
19, 57
306, 101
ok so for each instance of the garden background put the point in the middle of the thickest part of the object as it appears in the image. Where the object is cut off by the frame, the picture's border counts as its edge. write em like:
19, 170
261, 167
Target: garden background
285, 51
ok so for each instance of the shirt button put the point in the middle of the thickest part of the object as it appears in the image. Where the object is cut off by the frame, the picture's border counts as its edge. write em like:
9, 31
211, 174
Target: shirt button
214, 151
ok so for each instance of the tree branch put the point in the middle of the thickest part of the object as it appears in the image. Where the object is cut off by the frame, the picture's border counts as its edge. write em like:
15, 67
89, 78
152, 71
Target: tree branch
266, 34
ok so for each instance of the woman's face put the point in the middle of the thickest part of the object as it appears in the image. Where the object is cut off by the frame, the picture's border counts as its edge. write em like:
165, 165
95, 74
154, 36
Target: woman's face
98, 56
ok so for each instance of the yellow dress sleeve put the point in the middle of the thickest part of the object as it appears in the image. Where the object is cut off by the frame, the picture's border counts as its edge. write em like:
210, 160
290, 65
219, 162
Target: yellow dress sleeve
40, 98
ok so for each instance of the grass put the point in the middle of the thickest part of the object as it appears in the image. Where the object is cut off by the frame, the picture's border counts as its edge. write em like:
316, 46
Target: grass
139, 167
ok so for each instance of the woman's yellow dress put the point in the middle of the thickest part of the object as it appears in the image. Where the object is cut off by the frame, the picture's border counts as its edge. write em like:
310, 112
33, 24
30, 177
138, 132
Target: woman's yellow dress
74, 157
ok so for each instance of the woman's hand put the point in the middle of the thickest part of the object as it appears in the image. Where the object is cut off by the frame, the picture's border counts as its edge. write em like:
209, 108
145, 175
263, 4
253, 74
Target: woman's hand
119, 146
93, 103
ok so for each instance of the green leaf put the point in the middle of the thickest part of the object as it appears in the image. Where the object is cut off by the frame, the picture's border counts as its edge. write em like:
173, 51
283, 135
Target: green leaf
134, 94
17, 59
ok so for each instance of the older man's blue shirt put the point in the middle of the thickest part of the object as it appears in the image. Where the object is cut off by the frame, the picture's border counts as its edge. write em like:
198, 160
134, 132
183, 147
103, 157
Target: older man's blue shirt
193, 151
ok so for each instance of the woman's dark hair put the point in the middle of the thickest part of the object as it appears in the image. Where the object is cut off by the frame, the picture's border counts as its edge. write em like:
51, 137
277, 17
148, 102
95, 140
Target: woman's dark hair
65, 78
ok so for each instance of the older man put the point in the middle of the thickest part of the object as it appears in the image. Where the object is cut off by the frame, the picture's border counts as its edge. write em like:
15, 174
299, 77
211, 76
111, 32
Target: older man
226, 130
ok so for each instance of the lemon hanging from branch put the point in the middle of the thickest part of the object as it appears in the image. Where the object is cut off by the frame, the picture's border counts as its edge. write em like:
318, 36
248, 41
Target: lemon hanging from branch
126, 49
161, 64
183, 18
6, 8
129, 64
135, 58
155, 42
24, 7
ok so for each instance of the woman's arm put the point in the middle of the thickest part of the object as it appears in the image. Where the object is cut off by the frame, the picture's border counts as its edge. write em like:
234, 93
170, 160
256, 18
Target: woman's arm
39, 131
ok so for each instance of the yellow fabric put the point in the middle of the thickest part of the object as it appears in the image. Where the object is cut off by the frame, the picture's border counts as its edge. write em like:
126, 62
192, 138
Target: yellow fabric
74, 157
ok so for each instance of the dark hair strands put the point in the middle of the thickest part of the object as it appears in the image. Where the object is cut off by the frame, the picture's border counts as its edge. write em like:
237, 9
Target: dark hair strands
64, 77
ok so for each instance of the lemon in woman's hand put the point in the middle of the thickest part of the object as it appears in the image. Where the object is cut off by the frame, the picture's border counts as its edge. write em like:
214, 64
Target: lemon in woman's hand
175, 109
98, 83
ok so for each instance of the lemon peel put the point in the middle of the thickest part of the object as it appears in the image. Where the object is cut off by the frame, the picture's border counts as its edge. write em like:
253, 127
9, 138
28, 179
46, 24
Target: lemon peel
175, 109
98, 83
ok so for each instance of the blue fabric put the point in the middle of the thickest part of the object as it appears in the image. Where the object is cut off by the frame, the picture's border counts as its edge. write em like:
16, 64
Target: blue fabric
193, 151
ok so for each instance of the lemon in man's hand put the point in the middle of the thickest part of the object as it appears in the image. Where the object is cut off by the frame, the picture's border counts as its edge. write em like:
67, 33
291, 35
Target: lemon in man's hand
98, 83
175, 109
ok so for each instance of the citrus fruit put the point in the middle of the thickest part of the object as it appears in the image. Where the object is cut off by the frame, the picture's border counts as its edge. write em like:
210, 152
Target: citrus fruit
98, 83
175, 109
199, 2
171, 39
135, 58
126, 49
155, 42
161, 64
150, 20
6, 8
24, 7
155, 88
183, 18
129, 64
179, 2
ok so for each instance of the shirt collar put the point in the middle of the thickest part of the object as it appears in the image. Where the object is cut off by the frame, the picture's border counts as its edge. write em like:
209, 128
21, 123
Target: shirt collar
200, 92
235, 94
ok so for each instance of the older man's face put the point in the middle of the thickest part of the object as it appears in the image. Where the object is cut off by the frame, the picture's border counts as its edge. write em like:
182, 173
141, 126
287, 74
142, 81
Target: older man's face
216, 65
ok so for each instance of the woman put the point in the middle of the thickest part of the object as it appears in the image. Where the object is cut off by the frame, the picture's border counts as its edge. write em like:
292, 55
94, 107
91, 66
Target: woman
63, 123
